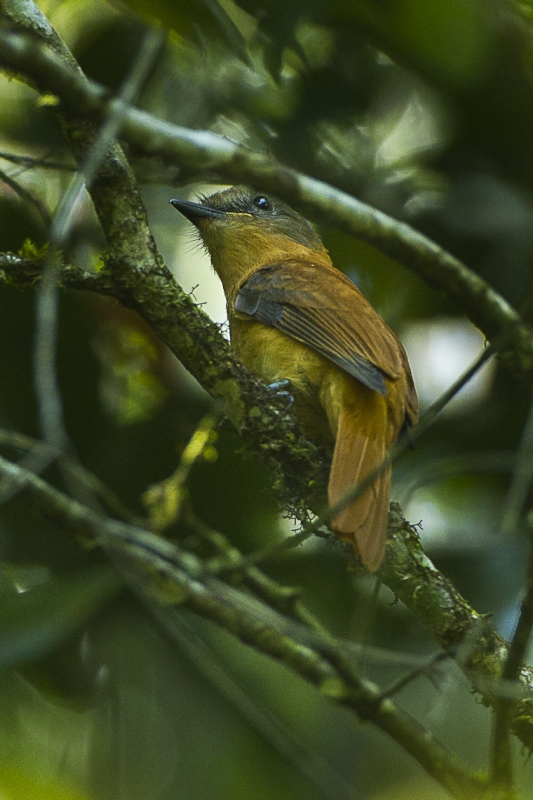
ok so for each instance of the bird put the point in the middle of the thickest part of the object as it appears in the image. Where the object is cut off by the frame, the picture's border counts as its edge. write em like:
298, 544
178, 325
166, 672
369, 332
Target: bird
295, 317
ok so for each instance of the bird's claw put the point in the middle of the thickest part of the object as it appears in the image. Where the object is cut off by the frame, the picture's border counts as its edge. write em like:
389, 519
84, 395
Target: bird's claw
279, 388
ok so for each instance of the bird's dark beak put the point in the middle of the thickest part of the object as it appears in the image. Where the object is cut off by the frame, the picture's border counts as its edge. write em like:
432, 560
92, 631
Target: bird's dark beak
195, 212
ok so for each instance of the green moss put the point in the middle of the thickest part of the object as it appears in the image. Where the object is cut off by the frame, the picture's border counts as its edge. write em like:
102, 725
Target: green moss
32, 251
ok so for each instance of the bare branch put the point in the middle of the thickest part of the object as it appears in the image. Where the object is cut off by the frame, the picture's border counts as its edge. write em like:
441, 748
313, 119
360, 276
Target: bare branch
32, 162
26, 196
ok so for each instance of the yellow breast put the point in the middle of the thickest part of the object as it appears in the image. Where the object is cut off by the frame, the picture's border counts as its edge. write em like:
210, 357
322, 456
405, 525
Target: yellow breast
274, 356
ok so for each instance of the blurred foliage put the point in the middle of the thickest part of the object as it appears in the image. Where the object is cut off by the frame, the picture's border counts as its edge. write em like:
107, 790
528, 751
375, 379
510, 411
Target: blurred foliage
424, 110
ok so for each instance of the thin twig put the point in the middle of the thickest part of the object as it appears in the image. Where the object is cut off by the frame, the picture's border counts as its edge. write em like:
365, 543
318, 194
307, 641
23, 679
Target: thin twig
165, 499
501, 765
40, 454
45, 369
443, 468
521, 481
32, 162
27, 196
143, 64
501, 755
405, 680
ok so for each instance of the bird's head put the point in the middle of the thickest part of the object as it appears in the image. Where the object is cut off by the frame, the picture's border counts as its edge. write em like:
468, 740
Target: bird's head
244, 229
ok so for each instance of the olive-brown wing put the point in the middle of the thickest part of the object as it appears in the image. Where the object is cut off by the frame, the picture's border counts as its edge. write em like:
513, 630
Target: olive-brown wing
320, 307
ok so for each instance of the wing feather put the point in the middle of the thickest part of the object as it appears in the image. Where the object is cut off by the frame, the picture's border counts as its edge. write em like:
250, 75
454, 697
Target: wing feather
331, 316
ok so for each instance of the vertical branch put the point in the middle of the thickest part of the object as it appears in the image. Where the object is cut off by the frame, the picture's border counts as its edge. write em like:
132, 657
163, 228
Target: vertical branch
504, 709
521, 482
50, 404
45, 367
505, 706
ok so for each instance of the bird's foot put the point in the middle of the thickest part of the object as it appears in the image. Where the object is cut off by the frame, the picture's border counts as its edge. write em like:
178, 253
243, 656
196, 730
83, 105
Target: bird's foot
280, 388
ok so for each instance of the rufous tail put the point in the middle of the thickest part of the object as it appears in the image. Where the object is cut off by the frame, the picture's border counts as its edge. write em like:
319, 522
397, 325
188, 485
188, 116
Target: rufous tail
357, 453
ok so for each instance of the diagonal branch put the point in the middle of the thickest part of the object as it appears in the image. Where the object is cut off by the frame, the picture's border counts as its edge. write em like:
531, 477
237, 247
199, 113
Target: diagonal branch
157, 568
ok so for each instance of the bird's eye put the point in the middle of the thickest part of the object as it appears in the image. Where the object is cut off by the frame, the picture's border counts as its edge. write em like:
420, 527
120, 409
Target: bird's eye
262, 203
